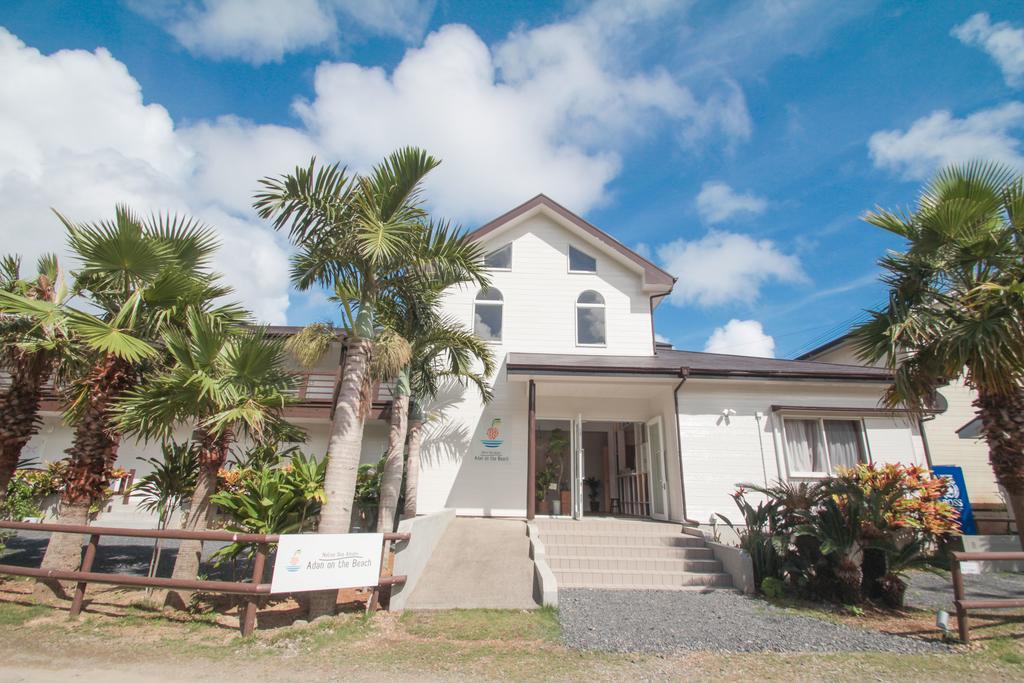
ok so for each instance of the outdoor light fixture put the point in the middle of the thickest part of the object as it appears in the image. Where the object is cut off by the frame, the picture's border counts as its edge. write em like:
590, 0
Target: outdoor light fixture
942, 620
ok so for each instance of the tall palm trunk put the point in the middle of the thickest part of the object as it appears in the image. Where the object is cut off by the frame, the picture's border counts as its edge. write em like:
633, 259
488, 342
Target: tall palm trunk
90, 459
343, 451
391, 481
213, 452
412, 466
19, 411
1002, 423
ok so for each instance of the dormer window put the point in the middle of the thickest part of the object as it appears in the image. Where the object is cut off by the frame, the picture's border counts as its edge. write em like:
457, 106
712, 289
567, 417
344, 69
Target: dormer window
500, 259
590, 327
487, 314
580, 262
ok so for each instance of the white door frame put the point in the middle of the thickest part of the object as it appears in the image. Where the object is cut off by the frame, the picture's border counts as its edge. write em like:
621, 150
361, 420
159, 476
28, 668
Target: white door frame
577, 467
658, 487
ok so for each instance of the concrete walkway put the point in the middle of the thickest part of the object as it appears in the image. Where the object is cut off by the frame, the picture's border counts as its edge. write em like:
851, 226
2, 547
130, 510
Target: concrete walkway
478, 563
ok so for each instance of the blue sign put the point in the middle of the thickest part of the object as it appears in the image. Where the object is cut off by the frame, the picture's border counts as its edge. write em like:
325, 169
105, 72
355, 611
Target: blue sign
956, 495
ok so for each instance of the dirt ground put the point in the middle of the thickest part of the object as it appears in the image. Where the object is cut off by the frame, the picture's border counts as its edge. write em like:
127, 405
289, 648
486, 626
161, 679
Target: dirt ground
121, 638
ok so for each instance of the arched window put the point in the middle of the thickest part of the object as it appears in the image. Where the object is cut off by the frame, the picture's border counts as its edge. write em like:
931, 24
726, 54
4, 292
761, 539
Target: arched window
590, 328
487, 313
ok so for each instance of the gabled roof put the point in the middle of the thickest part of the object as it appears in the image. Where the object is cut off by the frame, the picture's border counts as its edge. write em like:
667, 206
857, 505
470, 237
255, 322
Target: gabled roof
654, 277
692, 364
827, 346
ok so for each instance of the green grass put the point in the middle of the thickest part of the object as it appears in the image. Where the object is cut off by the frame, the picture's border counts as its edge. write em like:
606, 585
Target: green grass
484, 624
16, 615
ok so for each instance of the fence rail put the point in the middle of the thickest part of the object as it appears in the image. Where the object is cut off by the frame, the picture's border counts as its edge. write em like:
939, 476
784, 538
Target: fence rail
253, 589
960, 600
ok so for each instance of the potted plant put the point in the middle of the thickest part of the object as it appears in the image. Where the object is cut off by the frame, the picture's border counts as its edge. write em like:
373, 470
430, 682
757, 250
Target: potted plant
594, 484
546, 478
565, 496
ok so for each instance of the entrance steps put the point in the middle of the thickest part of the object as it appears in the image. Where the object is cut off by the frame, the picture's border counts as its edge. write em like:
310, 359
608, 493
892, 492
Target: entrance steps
628, 554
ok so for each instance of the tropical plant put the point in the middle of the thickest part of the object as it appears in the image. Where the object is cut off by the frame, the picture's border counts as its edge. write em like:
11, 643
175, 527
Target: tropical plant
278, 500
137, 276
168, 487
848, 537
956, 306
227, 380
30, 354
361, 236
440, 350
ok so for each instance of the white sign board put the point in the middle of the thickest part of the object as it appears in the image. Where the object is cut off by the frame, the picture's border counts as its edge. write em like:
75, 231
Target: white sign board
309, 562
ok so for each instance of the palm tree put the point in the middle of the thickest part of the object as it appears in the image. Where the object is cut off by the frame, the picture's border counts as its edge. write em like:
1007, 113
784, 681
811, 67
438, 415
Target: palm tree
954, 307
138, 276
29, 353
225, 380
441, 349
168, 486
358, 236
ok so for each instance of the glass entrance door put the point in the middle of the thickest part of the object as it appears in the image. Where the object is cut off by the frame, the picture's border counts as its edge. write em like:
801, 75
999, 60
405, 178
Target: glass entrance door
576, 452
655, 452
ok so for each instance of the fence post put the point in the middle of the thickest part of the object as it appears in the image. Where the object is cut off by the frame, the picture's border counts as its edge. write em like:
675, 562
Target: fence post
248, 620
86, 566
371, 604
958, 597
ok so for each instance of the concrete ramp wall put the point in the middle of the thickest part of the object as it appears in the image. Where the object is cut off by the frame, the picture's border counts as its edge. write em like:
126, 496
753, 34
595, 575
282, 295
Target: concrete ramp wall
479, 563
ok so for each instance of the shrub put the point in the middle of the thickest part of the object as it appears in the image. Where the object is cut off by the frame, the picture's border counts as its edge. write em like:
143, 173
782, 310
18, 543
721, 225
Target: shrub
279, 500
849, 537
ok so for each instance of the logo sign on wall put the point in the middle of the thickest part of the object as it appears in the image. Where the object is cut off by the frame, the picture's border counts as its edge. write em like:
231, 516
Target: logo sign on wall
956, 495
309, 562
491, 451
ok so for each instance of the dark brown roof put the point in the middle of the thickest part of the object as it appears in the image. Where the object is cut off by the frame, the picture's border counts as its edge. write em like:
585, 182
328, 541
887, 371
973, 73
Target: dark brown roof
653, 275
691, 364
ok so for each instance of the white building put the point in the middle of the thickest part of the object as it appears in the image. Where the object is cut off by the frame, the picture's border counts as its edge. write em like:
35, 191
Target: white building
666, 434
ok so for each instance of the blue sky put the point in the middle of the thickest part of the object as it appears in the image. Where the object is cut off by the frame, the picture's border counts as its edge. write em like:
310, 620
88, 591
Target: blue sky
736, 144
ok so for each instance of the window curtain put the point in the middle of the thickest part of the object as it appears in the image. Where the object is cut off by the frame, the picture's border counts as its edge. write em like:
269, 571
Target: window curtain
804, 447
843, 439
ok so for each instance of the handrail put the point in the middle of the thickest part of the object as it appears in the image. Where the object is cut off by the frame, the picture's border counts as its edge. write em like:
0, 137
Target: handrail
254, 588
959, 594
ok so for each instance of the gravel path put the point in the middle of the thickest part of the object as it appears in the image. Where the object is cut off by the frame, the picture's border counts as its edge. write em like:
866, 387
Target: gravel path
933, 592
665, 621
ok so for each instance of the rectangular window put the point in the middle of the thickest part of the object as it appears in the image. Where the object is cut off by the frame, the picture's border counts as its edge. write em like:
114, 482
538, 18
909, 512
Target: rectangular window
487, 323
500, 259
590, 325
820, 447
580, 262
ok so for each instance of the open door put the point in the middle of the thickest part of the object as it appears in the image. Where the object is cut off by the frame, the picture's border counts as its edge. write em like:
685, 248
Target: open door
576, 452
655, 451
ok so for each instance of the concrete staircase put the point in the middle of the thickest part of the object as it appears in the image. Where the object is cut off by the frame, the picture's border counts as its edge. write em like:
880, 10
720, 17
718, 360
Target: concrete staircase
627, 554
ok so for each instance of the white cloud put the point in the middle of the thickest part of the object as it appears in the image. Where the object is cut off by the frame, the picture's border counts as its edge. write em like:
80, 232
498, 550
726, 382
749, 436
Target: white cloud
661, 339
940, 139
261, 31
76, 136
742, 338
717, 202
725, 267
1002, 41
548, 110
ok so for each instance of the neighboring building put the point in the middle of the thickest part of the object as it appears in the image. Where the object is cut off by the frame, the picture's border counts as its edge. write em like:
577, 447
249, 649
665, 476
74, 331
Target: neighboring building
583, 392
952, 434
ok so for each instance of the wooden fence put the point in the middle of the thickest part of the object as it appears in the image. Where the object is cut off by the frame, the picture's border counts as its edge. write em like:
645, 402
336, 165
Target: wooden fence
960, 600
253, 589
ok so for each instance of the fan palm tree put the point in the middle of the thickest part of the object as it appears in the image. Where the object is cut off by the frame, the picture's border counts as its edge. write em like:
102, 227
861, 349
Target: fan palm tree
359, 236
137, 275
29, 354
224, 379
955, 306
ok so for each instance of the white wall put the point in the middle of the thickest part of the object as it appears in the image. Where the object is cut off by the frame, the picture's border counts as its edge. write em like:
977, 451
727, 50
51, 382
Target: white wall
946, 446
456, 469
719, 454
540, 294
